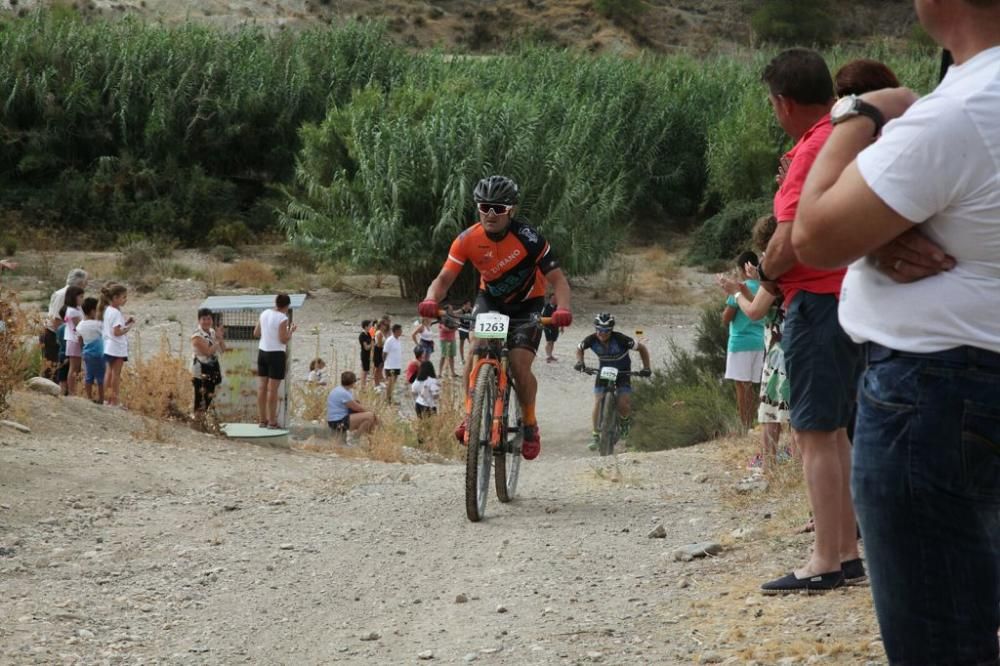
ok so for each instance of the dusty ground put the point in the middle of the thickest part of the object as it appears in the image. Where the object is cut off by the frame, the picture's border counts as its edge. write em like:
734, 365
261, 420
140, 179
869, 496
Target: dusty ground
115, 549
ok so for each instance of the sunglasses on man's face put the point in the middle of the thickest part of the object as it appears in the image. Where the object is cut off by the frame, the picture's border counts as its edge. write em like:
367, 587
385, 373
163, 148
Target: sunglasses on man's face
495, 208
603, 330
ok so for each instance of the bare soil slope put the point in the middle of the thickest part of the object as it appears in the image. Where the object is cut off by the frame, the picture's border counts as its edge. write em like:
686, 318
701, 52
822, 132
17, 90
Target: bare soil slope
696, 26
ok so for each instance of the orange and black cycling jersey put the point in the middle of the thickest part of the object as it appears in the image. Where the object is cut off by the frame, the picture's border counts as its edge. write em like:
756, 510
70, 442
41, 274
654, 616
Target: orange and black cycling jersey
511, 270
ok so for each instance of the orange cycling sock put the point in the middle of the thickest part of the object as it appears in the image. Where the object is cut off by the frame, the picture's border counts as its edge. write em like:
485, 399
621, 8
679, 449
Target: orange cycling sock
529, 415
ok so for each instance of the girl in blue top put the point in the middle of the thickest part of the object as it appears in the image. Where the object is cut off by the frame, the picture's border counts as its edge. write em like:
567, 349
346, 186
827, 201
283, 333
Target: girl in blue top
745, 350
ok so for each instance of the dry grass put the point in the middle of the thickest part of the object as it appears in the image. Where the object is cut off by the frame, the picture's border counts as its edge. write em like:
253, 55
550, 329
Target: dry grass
16, 342
249, 273
399, 436
158, 388
732, 617
661, 278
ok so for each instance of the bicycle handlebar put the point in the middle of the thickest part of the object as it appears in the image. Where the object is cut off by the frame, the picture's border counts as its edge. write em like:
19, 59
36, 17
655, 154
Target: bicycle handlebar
535, 319
593, 371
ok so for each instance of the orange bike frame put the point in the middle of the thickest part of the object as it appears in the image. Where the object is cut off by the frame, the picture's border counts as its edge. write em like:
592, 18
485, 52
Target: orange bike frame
498, 410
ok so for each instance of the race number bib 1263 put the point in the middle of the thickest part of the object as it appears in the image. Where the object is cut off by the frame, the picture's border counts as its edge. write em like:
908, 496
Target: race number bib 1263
491, 325
609, 373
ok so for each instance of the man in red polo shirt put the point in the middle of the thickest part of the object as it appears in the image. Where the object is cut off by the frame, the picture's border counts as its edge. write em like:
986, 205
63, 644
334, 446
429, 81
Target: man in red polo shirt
821, 360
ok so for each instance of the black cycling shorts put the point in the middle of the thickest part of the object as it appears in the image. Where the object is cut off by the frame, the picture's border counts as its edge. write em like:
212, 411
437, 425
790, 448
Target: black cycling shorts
519, 337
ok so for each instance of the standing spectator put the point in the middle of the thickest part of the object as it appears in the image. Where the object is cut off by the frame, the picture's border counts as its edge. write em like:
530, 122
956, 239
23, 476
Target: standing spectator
745, 348
821, 361
463, 330
926, 467
274, 330
393, 360
114, 331
206, 369
70, 338
50, 343
448, 333
343, 411
551, 332
860, 76
91, 335
423, 335
426, 390
382, 333
365, 342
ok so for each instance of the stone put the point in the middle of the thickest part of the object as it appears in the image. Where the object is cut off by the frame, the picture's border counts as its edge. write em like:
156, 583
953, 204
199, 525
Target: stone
711, 658
44, 386
371, 636
659, 532
461, 599
700, 478
15, 425
595, 656
751, 485
287, 546
693, 550
425, 655
84, 633
501, 609
471, 656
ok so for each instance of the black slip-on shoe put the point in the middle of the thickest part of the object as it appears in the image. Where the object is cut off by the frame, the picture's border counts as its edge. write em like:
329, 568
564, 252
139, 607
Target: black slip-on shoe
854, 572
791, 584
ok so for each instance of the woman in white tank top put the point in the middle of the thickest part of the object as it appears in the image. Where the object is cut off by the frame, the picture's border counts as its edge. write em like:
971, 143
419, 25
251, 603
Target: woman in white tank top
274, 330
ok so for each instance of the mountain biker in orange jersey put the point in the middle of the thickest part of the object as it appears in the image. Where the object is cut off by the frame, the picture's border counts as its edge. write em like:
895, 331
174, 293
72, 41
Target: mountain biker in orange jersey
514, 263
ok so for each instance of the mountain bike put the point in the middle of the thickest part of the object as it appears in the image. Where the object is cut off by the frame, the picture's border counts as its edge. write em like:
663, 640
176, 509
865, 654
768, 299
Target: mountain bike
494, 429
607, 425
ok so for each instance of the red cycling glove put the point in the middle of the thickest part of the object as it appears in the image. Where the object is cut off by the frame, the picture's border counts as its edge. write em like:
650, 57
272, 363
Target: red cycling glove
562, 318
428, 308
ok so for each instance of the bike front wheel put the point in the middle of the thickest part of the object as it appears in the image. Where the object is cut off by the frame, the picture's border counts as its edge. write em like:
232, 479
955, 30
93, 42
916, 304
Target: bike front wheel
479, 454
507, 457
609, 424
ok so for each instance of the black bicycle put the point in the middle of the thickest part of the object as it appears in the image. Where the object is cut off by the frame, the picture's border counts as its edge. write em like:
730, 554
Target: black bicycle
608, 424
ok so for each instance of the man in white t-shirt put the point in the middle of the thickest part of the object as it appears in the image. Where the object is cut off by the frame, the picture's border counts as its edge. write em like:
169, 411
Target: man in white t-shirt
926, 463
393, 350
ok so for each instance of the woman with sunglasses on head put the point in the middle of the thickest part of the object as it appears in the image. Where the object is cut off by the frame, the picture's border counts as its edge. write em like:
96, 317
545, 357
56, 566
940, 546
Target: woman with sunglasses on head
514, 262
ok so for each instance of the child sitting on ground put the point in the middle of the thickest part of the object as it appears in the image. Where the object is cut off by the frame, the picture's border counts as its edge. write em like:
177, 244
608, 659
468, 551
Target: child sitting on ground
317, 372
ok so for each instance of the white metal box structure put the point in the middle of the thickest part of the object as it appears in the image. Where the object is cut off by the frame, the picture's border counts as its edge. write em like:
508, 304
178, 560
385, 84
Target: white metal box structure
236, 399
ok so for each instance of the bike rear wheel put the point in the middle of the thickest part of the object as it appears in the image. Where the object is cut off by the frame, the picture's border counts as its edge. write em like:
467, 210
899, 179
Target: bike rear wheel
507, 458
609, 424
479, 454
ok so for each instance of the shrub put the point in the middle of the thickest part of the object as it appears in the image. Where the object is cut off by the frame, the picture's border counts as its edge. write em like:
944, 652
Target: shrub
794, 22
688, 402
249, 273
224, 253
144, 263
233, 233
620, 10
724, 235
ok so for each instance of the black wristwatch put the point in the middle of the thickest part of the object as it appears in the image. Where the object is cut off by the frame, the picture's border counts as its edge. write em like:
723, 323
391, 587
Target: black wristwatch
852, 106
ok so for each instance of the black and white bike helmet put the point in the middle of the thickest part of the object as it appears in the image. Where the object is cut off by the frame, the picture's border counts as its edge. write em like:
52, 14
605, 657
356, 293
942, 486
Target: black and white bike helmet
604, 320
496, 189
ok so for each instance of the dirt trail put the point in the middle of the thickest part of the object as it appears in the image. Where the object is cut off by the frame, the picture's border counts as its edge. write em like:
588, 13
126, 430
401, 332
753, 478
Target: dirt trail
202, 551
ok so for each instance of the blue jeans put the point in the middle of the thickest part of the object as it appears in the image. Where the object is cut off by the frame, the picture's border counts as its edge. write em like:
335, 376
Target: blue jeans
926, 485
